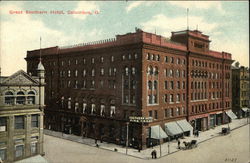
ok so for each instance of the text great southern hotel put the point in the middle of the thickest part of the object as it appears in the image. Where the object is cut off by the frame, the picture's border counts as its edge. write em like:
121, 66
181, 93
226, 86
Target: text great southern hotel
59, 12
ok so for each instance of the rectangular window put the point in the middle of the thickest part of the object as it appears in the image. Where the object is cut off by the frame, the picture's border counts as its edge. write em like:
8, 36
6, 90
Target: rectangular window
156, 115
166, 112
171, 84
150, 113
171, 98
3, 154
34, 120
19, 151
166, 84
3, 124
33, 148
19, 122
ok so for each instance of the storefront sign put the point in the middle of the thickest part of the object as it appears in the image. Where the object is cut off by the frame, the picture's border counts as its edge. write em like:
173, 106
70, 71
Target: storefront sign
141, 119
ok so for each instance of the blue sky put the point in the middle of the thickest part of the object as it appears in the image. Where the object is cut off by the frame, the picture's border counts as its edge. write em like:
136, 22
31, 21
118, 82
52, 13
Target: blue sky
225, 22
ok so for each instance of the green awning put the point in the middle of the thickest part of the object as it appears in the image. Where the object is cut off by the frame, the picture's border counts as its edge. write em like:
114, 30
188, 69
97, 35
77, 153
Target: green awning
184, 125
157, 132
231, 114
246, 109
172, 128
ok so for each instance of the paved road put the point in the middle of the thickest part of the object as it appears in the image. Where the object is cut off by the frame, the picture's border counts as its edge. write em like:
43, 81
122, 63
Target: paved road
232, 148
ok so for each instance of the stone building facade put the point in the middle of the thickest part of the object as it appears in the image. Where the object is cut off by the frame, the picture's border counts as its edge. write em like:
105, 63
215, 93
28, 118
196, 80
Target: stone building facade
21, 115
240, 90
93, 88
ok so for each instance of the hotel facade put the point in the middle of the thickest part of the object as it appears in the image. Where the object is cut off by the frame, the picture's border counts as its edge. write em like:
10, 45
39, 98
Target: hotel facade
93, 88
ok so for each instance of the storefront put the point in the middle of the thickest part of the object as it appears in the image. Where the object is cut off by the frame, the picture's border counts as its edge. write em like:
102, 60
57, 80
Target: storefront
230, 115
173, 130
185, 127
200, 122
212, 120
154, 135
219, 118
245, 112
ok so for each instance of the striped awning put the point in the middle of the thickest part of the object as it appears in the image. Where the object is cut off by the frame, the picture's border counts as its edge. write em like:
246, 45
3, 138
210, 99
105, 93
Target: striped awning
231, 114
246, 109
172, 128
157, 132
184, 125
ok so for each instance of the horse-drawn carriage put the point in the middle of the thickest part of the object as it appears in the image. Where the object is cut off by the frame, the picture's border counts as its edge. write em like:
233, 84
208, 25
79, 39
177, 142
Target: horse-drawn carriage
190, 145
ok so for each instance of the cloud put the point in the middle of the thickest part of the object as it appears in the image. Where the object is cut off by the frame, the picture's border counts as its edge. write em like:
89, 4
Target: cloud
133, 5
198, 4
20, 33
239, 49
165, 25
86, 6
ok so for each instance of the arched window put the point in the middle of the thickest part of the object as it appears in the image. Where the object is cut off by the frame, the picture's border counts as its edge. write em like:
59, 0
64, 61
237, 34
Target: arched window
102, 110
126, 70
76, 73
150, 85
93, 72
31, 97
155, 70
155, 84
150, 70
114, 70
177, 73
102, 71
133, 70
9, 98
84, 73
69, 103
20, 99
93, 111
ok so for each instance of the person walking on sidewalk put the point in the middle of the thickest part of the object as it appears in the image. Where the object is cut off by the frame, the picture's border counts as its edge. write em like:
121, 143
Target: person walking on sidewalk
154, 154
179, 143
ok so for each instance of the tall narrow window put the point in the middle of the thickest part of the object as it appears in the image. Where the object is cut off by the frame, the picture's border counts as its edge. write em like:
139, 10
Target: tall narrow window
20, 99
19, 150
3, 124
34, 120
19, 122
112, 111
9, 98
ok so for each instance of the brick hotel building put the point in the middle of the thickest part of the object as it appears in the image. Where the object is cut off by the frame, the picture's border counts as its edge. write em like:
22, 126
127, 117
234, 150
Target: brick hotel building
93, 88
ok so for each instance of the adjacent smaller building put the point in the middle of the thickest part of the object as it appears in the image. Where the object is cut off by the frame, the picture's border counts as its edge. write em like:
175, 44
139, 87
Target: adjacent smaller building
240, 90
21, 115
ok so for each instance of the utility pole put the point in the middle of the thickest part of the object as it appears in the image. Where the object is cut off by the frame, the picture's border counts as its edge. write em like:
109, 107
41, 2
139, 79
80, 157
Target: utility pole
160, 140
127, 123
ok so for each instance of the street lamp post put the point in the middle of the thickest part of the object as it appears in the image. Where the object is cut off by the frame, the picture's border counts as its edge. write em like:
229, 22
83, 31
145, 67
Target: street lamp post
160, 140
127, 123
168, 145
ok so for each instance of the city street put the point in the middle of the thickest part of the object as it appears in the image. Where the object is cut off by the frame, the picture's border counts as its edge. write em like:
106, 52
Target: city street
229, 148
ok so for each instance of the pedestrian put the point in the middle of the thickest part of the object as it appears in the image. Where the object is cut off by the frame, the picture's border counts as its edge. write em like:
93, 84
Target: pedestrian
155, 153
152, 154
179, 143
197, 133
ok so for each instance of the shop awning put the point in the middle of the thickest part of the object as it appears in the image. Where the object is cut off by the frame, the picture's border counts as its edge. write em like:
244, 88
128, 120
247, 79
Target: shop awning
231, 114
246, 109
184, 125
219, 112
157, 132
173, 129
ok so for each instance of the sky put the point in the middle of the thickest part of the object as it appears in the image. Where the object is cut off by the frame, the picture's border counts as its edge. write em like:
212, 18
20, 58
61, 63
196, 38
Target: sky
226, 22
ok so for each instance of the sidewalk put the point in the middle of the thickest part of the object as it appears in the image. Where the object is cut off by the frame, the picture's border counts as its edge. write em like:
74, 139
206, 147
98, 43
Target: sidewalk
146, 154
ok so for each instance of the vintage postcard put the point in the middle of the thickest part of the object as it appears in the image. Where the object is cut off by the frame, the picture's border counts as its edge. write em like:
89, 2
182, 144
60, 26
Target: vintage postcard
124, 81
